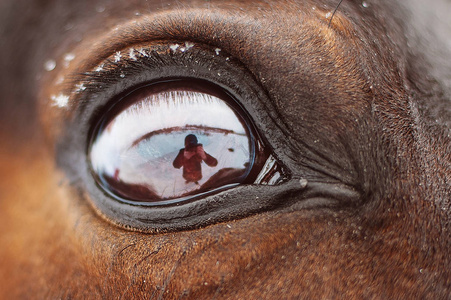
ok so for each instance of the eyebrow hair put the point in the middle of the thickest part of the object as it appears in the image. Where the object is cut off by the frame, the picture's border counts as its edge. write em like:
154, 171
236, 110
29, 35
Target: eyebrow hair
335, 10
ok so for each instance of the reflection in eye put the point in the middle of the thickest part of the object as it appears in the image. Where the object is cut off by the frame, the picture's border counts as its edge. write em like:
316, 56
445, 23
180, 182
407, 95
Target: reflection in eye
190, 159
170, 142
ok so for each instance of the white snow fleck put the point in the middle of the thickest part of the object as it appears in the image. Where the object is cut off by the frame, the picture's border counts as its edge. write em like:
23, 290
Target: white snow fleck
303, 182
217, 50
60, 100
132, 54
189, 45
328, 15
122, 75
174, 47
365, 4
99, 68
50, 65
80, 87
143, 52
69, 57
117, 56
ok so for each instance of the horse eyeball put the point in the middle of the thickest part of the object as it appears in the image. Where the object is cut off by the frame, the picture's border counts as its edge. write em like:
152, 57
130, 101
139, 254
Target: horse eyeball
171, 141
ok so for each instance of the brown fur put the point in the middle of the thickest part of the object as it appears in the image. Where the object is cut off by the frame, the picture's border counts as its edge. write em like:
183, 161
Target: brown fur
355, 103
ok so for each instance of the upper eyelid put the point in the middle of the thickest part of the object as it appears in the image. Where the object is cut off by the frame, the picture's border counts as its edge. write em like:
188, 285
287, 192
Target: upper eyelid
216, 28
219, 28
145, 30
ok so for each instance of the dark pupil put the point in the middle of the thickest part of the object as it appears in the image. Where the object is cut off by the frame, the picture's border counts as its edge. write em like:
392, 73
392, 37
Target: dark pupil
171, 145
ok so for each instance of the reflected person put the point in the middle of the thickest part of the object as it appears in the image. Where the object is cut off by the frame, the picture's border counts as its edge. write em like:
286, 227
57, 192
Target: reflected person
191, 157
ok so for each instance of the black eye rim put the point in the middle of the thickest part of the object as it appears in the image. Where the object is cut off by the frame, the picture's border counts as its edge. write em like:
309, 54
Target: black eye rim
198, 211
235, 203
119, 103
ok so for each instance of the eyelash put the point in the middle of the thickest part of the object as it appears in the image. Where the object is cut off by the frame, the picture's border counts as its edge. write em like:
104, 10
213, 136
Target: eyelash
112, 70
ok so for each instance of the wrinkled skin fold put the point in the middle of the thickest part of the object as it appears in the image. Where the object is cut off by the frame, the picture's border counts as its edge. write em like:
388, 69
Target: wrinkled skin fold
356, 109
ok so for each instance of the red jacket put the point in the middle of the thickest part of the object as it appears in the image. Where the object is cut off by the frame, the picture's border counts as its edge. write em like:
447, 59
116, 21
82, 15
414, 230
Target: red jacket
191, 159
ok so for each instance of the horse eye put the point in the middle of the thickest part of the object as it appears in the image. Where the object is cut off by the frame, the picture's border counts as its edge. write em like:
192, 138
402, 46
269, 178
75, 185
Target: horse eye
172, 141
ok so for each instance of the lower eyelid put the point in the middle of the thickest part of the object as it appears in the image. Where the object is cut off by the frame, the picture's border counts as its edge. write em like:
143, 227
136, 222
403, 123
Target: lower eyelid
238, 202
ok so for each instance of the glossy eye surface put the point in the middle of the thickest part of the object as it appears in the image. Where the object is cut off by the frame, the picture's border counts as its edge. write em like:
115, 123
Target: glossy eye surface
171, 141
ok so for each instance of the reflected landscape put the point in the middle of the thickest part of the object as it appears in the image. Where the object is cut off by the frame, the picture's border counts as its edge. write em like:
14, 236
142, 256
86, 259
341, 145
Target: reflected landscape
171, 144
